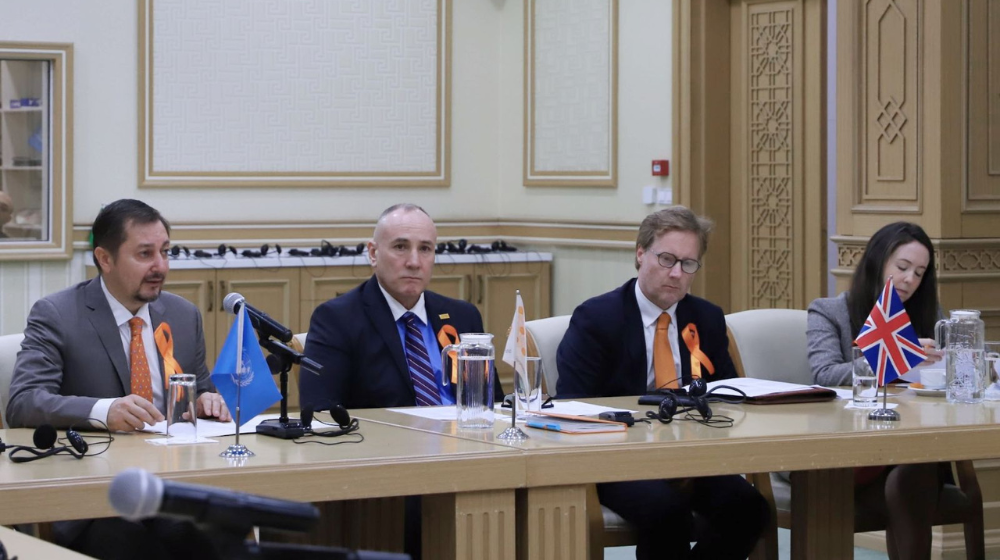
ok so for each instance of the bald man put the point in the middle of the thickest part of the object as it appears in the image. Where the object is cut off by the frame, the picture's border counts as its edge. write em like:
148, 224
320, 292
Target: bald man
361, 338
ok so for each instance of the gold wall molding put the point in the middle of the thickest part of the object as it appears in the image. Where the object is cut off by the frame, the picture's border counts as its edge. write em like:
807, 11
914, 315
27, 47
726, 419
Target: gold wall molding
384, 148
571, 119
956, 259
580, 234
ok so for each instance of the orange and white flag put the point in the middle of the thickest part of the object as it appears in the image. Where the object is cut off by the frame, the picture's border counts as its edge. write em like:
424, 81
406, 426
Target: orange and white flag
516, 351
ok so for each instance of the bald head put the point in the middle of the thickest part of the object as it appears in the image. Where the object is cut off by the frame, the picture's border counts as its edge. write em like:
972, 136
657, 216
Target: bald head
402, 252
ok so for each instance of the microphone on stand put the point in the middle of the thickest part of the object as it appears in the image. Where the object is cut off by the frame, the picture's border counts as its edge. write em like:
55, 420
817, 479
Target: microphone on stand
136, 494
264, 324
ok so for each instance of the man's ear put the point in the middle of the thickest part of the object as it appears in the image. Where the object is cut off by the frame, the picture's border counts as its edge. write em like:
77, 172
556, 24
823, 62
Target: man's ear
104, 258
372, 248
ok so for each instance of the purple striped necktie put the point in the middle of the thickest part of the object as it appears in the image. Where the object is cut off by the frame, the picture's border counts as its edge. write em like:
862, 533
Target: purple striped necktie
421, 371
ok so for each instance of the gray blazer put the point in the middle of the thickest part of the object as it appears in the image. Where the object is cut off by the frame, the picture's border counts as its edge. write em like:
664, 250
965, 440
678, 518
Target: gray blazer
830, 341
72, 355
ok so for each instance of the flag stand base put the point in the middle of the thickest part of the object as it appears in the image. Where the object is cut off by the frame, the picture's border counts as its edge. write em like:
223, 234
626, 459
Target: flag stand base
513, 434
236, 451
289, 429
884, 414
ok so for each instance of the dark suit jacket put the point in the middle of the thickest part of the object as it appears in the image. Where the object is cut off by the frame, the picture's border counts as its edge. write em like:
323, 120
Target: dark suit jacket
355, 339
603, 353
72, 355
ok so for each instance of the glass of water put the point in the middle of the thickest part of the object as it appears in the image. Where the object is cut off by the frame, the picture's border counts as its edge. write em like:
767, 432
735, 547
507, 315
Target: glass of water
528, 387
182, 421
992, 376
865, 382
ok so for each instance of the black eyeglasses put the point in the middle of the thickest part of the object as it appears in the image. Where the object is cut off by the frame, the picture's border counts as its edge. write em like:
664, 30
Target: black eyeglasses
668, 260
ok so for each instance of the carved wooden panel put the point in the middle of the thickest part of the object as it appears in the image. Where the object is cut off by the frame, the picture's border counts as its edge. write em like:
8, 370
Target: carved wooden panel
984, 106
890, 106
770, 151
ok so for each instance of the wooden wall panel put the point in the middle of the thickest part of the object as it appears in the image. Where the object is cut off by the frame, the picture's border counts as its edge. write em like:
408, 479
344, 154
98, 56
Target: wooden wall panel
890, 118
777, 178
984, 107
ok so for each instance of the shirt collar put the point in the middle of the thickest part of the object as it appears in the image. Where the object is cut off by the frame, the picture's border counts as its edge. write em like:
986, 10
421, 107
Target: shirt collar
650, 311
121, 314
397, 309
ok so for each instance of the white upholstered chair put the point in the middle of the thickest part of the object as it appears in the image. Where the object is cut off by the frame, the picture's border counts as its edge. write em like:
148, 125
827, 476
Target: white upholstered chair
771, 344
10, 345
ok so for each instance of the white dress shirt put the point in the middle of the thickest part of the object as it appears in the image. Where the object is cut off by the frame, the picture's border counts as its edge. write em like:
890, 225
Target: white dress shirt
398, 310
650, 313
122, 317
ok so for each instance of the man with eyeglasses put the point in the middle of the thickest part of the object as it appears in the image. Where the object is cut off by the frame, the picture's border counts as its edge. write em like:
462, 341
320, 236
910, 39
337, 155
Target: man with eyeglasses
650, 334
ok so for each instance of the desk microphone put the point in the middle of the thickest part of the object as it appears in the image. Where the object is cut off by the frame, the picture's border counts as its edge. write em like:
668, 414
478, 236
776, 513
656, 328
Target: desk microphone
136, 494
260, 320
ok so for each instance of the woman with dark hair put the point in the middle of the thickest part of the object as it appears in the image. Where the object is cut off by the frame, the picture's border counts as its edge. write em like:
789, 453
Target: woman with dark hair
906, 496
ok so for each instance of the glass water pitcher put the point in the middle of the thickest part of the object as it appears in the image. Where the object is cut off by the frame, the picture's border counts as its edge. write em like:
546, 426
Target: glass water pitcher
961, 337
474, 394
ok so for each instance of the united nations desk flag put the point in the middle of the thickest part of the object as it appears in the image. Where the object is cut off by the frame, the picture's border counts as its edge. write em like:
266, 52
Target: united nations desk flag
888, 339
257, 388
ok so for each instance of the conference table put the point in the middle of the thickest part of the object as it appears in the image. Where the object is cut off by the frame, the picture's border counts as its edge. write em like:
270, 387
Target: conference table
483, 497
820, 442
391, 461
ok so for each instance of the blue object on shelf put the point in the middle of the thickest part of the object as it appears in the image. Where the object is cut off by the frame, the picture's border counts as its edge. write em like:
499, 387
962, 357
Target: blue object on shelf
35, 140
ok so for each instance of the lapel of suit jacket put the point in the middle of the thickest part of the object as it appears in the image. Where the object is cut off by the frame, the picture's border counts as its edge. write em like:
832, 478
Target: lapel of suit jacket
685, 315
157, 311
104, 324
635, 335
380, 315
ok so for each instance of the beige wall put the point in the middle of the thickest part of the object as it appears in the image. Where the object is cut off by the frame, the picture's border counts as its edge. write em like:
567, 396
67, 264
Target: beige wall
487, 136
644, 121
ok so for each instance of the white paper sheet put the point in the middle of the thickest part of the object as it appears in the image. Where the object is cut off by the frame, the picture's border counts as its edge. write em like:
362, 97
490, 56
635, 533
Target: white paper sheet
180, 440
448, 413
431, 412
758, 387
211, 428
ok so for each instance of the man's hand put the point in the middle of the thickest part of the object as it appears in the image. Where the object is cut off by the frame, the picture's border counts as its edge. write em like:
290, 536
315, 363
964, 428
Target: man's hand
211, 405
131, 413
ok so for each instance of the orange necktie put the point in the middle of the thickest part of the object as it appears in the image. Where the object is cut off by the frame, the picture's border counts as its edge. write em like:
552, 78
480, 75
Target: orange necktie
664, 370
142, 384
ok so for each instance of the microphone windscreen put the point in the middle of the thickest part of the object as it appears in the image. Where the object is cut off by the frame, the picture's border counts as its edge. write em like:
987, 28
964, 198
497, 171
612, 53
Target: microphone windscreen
135, 494
231, 302
44, 436
340, 415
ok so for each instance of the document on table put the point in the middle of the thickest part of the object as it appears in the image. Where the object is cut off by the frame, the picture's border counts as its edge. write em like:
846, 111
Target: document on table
447, 413
211, 428
760, 387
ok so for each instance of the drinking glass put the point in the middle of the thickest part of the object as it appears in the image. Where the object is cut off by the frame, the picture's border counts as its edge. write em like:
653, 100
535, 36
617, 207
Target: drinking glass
992, 376
528, 387
865, 382
182, 420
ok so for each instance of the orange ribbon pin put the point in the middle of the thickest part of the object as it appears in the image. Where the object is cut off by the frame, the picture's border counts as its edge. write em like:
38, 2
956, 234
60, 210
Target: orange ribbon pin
690, 335
165, 344
448, 335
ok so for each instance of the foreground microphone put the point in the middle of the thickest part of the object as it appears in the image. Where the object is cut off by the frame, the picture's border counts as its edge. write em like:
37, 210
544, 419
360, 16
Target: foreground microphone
136, 494
258, 318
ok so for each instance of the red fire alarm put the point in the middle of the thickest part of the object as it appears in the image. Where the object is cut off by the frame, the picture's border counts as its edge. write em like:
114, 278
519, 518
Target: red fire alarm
661, 167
